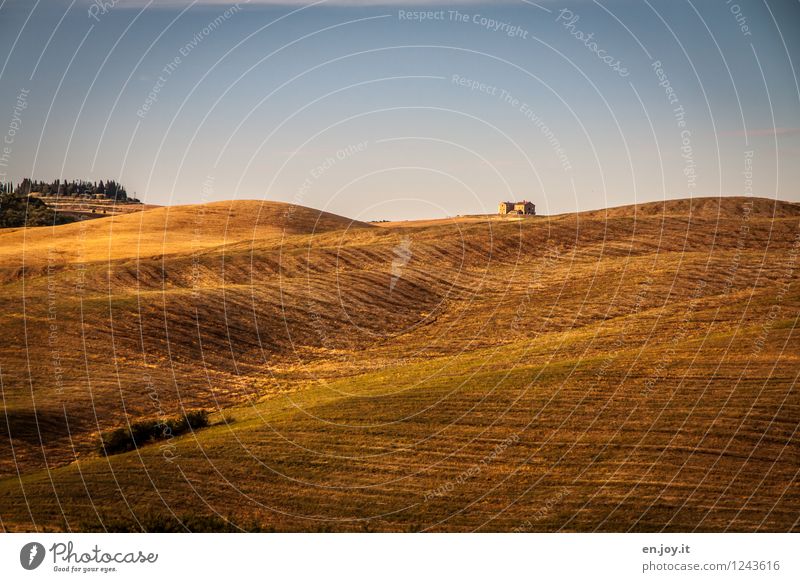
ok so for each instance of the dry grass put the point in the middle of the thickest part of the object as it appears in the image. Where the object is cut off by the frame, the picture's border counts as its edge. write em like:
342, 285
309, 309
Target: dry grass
629, 369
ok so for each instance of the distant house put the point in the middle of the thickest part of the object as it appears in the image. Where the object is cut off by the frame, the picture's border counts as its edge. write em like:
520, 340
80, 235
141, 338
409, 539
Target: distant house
523, 207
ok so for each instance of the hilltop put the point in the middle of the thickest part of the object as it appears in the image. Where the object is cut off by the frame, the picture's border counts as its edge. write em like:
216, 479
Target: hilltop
707, 208
50, 203
172, 230
627, 369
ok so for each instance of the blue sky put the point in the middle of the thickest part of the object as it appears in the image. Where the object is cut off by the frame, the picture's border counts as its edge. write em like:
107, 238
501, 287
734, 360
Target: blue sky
367, 111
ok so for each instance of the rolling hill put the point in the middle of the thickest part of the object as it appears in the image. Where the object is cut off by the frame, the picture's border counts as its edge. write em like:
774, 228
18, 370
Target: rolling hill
630, 369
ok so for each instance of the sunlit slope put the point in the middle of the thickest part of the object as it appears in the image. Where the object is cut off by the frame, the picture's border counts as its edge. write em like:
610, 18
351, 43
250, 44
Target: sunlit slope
172, 230
367, 367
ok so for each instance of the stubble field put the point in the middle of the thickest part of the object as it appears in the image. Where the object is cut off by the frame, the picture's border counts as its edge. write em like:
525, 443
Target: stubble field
633, 369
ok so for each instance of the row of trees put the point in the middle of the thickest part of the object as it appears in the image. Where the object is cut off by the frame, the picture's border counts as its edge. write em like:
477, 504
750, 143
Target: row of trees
111, 189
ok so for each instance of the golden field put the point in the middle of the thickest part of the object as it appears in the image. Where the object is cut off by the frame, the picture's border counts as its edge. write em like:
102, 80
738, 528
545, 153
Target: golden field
630, 369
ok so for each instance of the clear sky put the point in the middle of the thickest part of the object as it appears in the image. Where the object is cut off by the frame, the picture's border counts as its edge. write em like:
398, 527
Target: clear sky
368, 110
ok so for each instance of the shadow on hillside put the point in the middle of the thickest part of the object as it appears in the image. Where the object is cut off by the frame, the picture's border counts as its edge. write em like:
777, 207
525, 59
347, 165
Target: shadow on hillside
39, 426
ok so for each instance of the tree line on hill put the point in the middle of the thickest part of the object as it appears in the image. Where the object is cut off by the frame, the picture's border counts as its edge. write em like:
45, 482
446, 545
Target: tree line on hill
110, 189
18, 208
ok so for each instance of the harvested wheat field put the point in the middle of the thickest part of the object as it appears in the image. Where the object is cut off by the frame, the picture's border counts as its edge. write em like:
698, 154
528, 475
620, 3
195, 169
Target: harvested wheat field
633, 369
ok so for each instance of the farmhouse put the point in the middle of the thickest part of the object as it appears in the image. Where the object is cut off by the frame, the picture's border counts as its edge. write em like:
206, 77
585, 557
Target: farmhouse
523, 207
